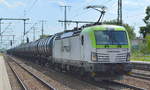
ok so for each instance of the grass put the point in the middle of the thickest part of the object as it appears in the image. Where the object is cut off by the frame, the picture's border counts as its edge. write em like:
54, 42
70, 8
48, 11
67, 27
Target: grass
141, 58
1, 54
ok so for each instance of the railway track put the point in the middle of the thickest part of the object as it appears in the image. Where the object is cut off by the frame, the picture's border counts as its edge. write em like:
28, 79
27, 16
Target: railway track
110, 85
28, 80
113, 85
140, 76
56, 79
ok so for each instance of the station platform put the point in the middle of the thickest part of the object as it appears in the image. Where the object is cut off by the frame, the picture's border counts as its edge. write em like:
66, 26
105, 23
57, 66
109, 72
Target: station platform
141, 65
140, 62
4, 80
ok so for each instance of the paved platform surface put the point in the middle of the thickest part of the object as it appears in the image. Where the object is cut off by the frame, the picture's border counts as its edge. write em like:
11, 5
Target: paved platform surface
4, 80
140, 62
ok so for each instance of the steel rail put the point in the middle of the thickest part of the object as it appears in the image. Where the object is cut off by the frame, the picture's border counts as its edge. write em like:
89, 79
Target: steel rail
125, 85
41, 80
140, 76
21, 82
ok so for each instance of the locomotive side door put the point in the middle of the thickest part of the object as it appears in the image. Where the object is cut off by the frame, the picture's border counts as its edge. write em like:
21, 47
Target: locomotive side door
85, 47
82, 47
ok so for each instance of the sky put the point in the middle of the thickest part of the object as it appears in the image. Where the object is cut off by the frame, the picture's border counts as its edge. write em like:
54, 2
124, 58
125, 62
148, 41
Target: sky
51, 11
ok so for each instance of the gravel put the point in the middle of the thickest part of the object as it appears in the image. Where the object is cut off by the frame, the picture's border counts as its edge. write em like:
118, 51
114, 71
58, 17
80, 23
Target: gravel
142, 83
141, 72
63, 81
59, 80
30, 82
15, 85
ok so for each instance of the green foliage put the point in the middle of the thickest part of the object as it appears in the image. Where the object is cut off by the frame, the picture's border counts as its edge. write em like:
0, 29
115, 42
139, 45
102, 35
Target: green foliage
44, 36
113, 22
129, 29
143, 52
141, 58
2, 49
143, 31
147, 17
148, 43
144, 47
146, 29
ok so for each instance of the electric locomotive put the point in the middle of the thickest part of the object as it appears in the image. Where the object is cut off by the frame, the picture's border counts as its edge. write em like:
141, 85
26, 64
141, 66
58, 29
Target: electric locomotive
101, 51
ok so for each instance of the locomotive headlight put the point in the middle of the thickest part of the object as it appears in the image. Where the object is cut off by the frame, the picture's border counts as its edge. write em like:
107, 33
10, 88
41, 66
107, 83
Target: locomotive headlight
94, 56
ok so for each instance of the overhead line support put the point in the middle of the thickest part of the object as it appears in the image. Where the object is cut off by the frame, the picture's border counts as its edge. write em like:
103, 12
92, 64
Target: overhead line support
42, 30
119, 18
65, 17
77, 22
23, 19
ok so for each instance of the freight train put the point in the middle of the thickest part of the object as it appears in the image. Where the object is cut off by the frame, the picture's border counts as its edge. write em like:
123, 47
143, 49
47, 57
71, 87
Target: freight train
95, 50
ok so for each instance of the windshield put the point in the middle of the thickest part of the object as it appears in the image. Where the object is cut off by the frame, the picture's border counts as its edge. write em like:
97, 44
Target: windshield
111, 38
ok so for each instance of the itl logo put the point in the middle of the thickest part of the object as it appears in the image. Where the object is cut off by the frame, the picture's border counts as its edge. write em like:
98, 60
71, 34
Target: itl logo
66, 48
113, 51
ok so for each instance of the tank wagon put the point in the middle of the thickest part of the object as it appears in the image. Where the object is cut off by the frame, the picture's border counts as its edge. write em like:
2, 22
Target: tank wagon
97, 50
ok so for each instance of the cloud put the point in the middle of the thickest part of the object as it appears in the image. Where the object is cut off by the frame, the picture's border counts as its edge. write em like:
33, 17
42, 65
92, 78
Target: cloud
1, 1
11, 5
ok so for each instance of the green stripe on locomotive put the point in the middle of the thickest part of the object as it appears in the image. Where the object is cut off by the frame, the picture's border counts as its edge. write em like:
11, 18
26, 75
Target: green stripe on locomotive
90, 31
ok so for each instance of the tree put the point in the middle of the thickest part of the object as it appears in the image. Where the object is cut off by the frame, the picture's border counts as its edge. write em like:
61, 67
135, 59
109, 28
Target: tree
148, 42
129, 28
130, 31
144, 30
145, 46
44, 36
147, 17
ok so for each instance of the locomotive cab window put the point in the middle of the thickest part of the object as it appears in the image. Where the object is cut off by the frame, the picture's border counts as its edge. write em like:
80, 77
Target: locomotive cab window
111, 38
82, 39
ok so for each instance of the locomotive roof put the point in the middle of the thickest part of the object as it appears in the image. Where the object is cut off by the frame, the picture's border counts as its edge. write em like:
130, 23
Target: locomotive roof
103, 27
106, 27
87, 28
